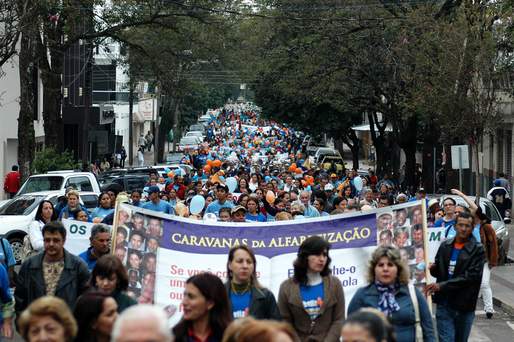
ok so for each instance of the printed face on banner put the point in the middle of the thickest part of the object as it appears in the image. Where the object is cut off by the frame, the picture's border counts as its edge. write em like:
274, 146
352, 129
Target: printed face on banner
136, 245
403, 228
161, 252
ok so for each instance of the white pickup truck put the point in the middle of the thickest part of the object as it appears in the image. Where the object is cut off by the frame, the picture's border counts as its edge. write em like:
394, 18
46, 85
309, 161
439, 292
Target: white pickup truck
60, 180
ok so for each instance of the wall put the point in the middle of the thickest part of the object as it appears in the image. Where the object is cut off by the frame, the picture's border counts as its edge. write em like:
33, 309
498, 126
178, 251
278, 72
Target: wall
9, 112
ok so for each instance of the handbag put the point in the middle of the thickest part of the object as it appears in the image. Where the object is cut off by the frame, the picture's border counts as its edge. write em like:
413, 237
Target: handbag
414, 298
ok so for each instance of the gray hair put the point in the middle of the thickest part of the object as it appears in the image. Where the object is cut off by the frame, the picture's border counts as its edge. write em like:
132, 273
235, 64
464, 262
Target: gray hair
99, 228
140, 312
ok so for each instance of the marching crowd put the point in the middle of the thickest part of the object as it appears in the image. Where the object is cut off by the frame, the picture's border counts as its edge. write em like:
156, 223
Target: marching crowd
249, 169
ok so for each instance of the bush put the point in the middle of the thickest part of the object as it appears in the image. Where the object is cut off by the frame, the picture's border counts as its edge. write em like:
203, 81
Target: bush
50, 160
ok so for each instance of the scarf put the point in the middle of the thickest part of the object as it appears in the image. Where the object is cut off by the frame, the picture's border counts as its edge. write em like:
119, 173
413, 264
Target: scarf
387, 301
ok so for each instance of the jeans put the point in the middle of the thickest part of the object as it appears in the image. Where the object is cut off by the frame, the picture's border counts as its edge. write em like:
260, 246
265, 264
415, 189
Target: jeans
485, 287
453, 325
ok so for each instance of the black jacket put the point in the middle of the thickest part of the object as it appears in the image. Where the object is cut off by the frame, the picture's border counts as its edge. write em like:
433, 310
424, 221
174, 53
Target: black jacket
30, 283
461, 291
262, 303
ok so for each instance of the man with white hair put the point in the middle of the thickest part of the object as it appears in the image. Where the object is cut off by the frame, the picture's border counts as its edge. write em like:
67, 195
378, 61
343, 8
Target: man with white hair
142, 323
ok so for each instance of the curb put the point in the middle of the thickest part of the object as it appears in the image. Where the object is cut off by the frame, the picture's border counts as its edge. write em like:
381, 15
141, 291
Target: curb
505, 307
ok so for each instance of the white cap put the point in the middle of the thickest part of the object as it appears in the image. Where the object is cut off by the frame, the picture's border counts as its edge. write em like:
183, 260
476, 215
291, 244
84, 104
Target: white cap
329, 187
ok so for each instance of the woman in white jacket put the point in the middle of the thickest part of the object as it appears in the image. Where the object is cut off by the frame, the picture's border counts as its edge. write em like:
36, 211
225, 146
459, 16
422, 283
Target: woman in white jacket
45, 213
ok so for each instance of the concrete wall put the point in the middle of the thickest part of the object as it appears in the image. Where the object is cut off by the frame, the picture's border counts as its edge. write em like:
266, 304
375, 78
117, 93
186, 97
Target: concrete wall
9, 112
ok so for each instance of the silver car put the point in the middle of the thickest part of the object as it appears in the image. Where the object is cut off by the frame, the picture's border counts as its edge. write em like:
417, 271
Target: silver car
499, 223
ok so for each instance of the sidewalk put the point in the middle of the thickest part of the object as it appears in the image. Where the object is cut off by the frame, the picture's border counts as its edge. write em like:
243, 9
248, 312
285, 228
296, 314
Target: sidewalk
502, 284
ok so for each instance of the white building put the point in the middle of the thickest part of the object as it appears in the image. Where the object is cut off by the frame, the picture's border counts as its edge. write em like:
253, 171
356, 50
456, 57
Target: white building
9, 112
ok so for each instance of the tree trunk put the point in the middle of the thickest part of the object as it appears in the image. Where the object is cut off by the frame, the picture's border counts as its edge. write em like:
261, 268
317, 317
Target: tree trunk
27, 69
407, 140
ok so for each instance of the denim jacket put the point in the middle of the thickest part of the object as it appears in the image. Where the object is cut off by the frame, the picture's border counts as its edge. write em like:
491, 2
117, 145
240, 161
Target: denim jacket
403, 320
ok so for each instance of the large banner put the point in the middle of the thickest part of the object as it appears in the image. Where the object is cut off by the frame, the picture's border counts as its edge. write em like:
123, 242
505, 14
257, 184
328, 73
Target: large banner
161, 252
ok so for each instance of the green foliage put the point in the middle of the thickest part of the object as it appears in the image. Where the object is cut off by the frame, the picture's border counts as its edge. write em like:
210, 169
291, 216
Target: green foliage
50, 160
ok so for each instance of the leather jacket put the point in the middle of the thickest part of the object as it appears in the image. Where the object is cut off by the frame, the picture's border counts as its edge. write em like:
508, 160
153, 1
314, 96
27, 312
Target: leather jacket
30, 283
461, 291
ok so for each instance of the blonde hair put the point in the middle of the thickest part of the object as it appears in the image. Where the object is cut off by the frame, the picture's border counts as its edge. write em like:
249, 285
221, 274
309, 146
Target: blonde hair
265, 331
283, 216
73, 193
249, 329
50, 306
393, 254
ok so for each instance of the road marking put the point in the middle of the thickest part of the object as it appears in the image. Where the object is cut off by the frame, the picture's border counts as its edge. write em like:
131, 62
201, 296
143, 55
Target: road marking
511, 325
479, 312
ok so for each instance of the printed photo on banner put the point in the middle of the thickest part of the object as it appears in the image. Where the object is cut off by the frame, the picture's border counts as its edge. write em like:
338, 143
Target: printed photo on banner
136, 245
161, 251
402, 227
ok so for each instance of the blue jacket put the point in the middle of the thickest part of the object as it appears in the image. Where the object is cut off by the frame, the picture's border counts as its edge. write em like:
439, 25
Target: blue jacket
402, 320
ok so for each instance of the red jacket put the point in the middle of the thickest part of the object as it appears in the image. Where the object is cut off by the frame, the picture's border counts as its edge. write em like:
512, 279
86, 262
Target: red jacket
12, 182
179, 188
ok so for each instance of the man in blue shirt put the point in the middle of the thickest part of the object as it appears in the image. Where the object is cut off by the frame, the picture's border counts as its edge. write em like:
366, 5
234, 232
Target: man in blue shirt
100, 241
155, 202
221, 202
458, 271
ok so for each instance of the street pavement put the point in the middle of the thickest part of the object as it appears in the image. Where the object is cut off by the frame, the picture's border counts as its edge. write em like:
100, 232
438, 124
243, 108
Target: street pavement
501, 327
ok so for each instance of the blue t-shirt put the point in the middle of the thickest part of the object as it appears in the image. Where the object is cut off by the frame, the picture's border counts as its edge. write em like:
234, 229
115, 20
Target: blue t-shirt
162, 206
101, 212
6, 254
453, 260
257, 218
215, 207
442, 223
451, 232
312, 299
240, 304
5, 292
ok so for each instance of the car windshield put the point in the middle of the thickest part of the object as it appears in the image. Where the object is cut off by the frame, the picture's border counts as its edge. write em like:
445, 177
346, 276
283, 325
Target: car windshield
42, 183
23, 205
188, 140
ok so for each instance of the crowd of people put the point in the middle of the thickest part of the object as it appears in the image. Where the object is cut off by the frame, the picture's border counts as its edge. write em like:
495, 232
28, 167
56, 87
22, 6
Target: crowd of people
248, 169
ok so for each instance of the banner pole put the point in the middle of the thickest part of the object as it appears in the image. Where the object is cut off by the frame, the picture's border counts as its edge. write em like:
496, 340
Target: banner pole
425, 246
114, 226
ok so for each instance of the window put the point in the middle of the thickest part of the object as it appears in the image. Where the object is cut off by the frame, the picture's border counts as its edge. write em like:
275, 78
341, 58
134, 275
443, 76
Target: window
81, 183
90, 201
21, 206
45, 183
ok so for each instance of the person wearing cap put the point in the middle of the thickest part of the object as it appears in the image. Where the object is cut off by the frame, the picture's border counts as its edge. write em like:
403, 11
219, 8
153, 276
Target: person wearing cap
155, 203
221, 200
238, 214
500, 197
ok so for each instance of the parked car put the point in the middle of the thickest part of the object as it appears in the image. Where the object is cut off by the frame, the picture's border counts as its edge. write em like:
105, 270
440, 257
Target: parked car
198, 134
197, 127
161, 169
141, 171
323, 152
17, 214
60, 180
128, 182
191, 143
499, 223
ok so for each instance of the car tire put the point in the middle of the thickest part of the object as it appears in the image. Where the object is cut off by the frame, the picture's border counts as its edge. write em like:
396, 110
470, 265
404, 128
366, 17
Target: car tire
16, 242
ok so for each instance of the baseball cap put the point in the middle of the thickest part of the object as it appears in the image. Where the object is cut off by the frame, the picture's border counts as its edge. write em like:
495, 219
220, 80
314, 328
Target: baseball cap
153, 189
237, 208
333, 175
329, 187
222, 187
